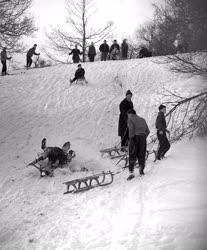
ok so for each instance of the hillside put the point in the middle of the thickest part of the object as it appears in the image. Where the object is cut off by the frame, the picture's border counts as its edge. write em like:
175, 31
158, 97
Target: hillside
164, 210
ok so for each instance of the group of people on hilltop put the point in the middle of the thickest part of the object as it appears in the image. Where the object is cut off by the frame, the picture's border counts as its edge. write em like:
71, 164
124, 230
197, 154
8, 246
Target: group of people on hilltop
134, 131
114, 52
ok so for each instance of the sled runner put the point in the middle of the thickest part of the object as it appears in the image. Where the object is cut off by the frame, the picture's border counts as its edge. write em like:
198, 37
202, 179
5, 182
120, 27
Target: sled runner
87, 183
114, 151
43, 171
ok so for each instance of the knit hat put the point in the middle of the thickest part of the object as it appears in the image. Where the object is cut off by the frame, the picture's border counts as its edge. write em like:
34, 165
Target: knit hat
128, 92
162, 107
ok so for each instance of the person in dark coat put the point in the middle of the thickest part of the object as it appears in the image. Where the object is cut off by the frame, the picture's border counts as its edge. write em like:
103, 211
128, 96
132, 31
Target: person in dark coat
104, 49
124, 106
76, 54
79, 74
30, 53
138, 132
114, 50
4, 58
161, 127
91, 52
124, 49
144, 52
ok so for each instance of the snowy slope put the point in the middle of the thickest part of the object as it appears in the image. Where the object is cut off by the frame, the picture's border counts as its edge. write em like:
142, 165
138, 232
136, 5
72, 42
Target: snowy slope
164, 210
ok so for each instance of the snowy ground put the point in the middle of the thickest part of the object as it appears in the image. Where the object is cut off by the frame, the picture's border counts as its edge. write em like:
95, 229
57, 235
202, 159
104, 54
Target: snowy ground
164, 210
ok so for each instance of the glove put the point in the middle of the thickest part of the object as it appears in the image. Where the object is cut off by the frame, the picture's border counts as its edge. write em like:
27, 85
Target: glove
161, 132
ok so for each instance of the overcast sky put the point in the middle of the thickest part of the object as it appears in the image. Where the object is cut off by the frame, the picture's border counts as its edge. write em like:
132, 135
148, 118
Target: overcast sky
127, 15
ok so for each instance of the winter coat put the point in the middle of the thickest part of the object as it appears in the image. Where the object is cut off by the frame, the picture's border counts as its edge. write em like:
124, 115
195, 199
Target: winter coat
124, 50
124, 107
161, 122
4, 56
104, 47
75, 53
80, 73
91, 51
115, 46
137, 126
32, 52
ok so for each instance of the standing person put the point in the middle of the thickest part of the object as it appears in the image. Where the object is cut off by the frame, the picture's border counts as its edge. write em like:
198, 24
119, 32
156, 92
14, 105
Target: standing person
161, 127
114, 50
91, 52
79, 74
124, 49
30, 53
104, 49
76, 54
124, 106
138, 132
4, 58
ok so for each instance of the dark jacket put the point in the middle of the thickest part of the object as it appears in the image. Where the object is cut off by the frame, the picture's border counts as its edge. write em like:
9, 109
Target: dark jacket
161, 122
75, 53
55, 153
137, 126
104, 47
32, 52
4, 56
114, 46
80, 73
124, 106
124, 50
91, 51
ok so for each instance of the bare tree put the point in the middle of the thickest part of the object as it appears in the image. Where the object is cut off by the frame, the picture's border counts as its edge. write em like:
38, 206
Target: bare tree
188, 114
79, 13
15, 22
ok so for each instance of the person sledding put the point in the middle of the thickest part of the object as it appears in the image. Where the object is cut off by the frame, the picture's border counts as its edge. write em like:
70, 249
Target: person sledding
161, 127
53, 157
138, 132
79, 75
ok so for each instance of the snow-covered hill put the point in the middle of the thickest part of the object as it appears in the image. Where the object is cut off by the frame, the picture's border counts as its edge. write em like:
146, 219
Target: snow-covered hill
164, 210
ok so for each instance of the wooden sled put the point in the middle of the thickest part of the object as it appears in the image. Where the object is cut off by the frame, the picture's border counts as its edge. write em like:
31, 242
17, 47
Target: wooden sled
125, 158
114, 151
81, 81
87, 183
43, 171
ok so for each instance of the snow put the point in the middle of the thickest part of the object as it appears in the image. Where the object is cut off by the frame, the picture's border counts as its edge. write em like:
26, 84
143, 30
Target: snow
164, 210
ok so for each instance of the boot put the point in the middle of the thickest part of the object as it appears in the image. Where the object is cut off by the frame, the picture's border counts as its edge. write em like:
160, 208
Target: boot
131, 176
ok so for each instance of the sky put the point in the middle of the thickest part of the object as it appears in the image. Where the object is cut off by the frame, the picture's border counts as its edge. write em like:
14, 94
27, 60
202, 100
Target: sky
127, 15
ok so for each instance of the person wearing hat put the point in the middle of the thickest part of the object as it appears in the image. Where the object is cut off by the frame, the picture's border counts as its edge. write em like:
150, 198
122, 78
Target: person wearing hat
138, 132
79, 74
124, 106
161, 127
30, 53
4, 58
